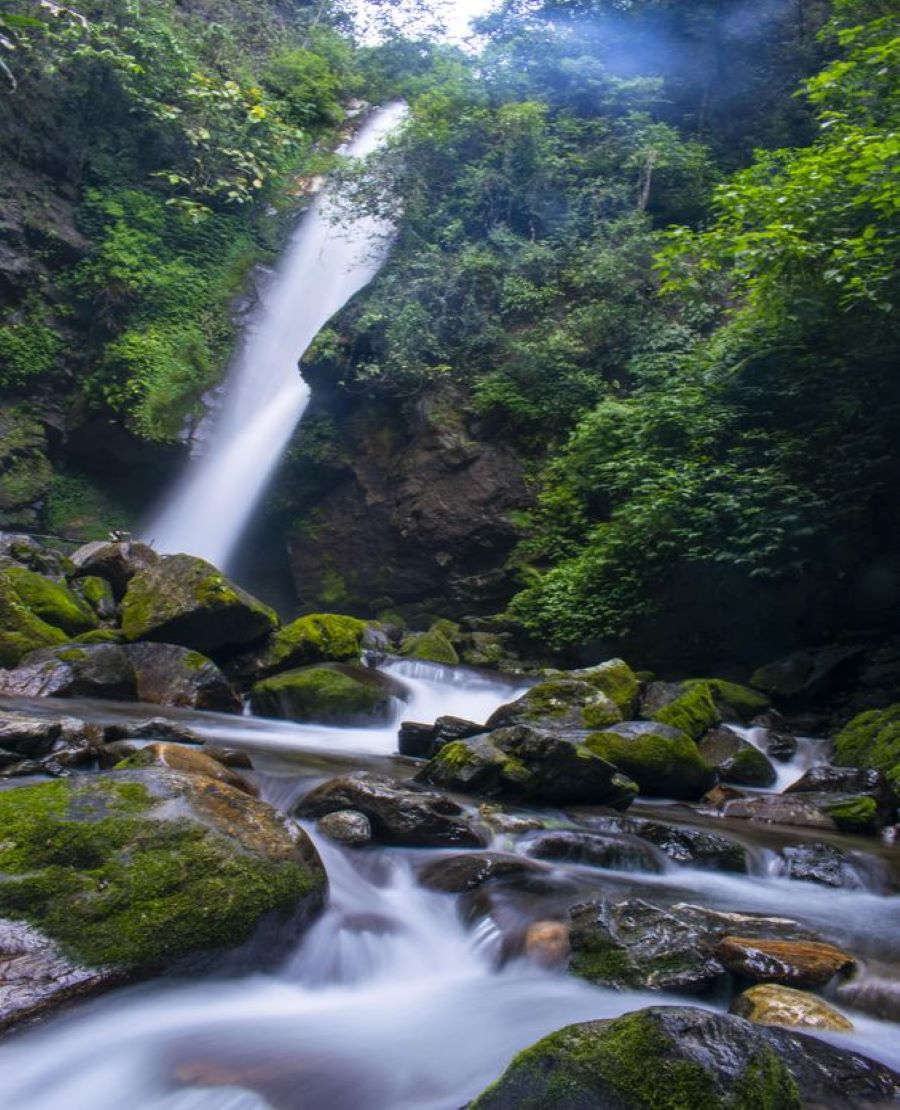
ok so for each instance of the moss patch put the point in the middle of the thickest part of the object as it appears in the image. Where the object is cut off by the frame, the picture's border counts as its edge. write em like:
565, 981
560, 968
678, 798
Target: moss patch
432, 646
316, 638
694, 712
21, 631
331, 693
663, 763
872, 739
85, 861
615, 679
52, 601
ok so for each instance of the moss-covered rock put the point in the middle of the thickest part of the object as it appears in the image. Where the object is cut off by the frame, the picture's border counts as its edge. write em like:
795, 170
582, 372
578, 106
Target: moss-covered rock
872, 739
560, 705
855, 813
51, 601
185, 600
116, 562
736, 759
662, 760
331, 693
98, 594
733, 701
115, 873
615, 679
315, 638
663, 1058
101, 636
21, 631
694, 712
25, 470
432, 646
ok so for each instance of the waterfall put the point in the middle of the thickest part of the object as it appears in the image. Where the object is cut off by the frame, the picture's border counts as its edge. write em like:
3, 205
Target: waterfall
324, 264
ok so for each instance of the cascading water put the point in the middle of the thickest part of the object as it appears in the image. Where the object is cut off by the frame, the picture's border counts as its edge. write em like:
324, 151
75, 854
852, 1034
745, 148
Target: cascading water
325, 263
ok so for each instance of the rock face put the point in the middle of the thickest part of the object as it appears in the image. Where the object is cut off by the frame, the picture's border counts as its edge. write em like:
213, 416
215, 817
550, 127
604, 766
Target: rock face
662, 760
399, 813
682, 1057
332, 693
134, 869
162, 674
768, 1004
528, 763
185, 600
413, 504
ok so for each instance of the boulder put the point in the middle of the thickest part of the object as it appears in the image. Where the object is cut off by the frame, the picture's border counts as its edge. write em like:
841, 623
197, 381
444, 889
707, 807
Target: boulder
614, 678
684, 1058
115, 563
162, 674
432, 646
136, 869
98, 594
779, 809
329, 693
528, 763
315, 638
458, 874
697, 705
184, 600
36, 745
616, 853
681, 843
423, 741
189, 761
770, 1004
346, 826
50, 601
152, 728
509, 824
400, 813
820, 863
795, 963
662, 760
21, 631
872, 740
736, 760
633, 944
559, 705
781, 746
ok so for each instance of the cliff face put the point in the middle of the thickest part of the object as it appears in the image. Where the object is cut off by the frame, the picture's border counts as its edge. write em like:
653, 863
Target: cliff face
409, 506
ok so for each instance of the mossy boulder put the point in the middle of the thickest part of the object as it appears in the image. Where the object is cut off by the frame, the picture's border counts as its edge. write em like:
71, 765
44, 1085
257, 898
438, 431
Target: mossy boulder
141, 867
684, 1058
315, 638
432, 646
736, 760
185, 600
53, 602
98, 594
526, 763
693, 712
331, 693
614, 678
872, 739
699, 704
662, 760
114, 562
21, 631
561, 705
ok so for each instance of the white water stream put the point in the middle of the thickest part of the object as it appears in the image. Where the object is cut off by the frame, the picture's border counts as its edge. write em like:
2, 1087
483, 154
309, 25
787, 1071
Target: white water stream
391, 1001
325, 263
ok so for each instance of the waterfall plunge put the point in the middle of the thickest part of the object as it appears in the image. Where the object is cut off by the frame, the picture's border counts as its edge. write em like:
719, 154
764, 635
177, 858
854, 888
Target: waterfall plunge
324, 264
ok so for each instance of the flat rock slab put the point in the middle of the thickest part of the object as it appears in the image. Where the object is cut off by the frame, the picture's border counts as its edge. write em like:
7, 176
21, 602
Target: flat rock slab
795, 963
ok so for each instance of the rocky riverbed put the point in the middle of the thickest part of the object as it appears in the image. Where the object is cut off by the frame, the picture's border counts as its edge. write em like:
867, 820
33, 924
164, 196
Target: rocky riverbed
404, 882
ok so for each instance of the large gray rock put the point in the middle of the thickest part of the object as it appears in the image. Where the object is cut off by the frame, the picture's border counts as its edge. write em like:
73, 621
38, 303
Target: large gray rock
681, 843
684, 1058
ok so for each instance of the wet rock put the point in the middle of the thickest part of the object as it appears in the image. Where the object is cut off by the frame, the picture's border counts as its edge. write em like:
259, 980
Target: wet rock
683, 844
615, 679
559, 705
720, 795
528, 763
547, 943
457, 874
779, 809
633, 944
401, 813
662, 760
494, 816
163, 674
820, 863
31, 746
115, 563
330, 693
851, 782
229, 757
794, 963
770, 1004
134, 869
184, 600
152, 728
346, 826
415, 739
315, 638
873, 990
681, 1056
36, 977
595, 850
716, 924
448, 728
189, 761
781, 746
50, 601
736, 759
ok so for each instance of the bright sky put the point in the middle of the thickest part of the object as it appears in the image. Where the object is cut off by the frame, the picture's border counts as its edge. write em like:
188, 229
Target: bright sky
460, 12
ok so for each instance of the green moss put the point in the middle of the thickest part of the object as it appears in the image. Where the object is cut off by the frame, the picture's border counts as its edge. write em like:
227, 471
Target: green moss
326, 693
76, 509
694, 712
601, 961
456, 754
733, 701
749, 767
450, 629
662, 765
872, 739
432, 646
857, 814
601, 712
71, 655
615, 679
101, 636
85, 862
52, 601
21, 631
316, 638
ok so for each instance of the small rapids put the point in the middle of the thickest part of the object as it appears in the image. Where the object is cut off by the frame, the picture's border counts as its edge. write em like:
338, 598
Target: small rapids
394, 999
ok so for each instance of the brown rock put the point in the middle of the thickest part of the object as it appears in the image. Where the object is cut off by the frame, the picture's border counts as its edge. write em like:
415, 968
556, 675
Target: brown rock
770, 1004
798, 963
547, 943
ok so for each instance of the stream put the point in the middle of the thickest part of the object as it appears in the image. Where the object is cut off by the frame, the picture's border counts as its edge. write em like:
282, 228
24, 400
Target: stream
399, 998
